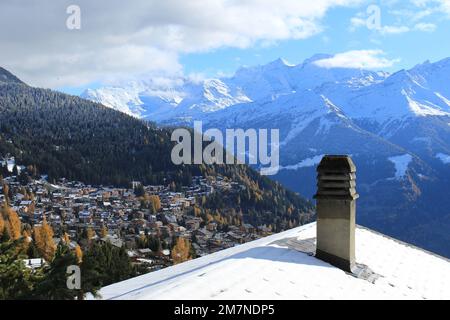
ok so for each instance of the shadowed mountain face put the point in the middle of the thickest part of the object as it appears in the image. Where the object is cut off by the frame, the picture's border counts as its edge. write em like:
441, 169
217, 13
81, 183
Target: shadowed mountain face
395, 126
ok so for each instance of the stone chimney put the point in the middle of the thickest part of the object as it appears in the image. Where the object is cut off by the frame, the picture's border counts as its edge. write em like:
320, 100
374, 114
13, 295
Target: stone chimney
336, 207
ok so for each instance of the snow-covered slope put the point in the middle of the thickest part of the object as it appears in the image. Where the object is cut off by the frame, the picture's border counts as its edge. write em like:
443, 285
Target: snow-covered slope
177, 98
272, 268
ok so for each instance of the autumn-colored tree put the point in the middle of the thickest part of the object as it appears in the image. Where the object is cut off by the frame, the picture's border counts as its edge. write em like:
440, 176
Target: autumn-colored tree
26, 241
5, 189
31, 208
90, 234
197, 211
2, 225
79, 254
103, 232
65, 238
12, 223
155, 203
43, 237
181, 251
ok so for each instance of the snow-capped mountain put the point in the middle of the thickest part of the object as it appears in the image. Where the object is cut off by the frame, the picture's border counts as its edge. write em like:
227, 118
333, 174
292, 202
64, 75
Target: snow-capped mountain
395, 126
173, 98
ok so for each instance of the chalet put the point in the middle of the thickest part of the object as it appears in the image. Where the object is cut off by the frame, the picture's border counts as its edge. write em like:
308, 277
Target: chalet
34, 263
212, 226
193, 223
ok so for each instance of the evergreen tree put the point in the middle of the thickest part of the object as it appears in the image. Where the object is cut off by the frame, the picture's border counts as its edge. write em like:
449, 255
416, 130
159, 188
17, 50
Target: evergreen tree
139, 190
16, 280
53, 286
154, 244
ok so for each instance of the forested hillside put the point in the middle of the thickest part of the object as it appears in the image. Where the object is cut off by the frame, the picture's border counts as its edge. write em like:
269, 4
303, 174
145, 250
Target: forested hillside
66, 136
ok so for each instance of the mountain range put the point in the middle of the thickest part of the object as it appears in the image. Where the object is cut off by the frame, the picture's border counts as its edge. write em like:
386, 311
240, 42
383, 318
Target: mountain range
395, 126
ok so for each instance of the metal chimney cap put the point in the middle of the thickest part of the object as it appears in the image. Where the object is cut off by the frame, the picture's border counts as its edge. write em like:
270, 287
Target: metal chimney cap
336, 164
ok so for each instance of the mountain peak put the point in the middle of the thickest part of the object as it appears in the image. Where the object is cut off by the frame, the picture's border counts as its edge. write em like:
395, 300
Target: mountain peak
317, 57
280, 62
8, 77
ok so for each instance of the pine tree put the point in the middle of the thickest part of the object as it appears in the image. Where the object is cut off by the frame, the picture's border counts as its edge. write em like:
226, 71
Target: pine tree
16, 280
139, 190
53, 286
43, 237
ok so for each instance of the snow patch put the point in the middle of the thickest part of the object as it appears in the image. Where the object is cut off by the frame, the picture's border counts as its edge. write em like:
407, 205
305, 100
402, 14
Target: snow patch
309, 162
445, 158
423, 110
401, 164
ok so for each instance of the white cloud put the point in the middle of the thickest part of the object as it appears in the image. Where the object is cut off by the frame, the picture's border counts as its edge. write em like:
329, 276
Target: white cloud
122, 38
433, 6
398, 17
425, 27
361, 59
393, 29
357, 22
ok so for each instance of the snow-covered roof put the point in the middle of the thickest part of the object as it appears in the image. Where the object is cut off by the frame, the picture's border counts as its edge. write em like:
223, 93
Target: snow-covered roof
273, 268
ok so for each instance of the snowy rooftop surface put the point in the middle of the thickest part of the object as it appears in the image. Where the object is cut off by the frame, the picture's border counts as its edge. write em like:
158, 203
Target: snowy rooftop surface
271, 268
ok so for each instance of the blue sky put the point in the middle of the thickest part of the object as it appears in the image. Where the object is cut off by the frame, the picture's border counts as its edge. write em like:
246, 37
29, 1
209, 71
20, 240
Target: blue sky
117, 41
409, 48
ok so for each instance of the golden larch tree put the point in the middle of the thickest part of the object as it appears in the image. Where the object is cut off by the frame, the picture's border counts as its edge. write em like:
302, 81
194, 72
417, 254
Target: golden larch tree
66, 238
90, 233
79, 254
26, 243
43, 237
12, 223
155, 202
2, 224
181, 251
5, 188
103, 232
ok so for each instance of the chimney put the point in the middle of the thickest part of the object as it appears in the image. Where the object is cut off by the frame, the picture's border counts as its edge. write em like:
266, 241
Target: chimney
336, 208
